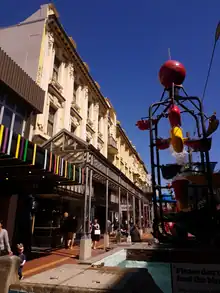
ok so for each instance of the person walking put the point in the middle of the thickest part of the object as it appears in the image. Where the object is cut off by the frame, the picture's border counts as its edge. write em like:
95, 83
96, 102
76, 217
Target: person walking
74, 230
21, 255
95, 233
5, 248
66, 230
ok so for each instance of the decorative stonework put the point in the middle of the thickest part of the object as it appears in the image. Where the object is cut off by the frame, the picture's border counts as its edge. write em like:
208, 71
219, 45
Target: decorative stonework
99, 146
73, 42
88, 136
50, 40
86, 90
97, 84
75, 121
75, 106
71, 71
86, 65
39, 75
54, 100
40, 126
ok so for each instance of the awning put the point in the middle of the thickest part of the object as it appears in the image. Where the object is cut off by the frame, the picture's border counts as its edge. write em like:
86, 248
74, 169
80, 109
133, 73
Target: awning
22, 160
19, 81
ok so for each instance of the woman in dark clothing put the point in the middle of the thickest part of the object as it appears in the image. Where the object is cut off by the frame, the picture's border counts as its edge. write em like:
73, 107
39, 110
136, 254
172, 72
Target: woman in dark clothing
95, 233
135, 235
67, 230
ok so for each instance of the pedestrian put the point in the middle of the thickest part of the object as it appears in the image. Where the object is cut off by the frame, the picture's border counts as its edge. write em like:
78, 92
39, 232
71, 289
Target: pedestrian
21, 255
135, 234
66, 230
95, 233
74, 229
109, 226
5, 248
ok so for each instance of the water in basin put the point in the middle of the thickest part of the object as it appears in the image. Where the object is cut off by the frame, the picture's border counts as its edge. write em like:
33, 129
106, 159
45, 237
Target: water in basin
160, 272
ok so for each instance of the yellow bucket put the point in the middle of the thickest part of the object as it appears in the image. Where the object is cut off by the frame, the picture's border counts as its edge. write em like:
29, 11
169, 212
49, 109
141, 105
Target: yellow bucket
177, 139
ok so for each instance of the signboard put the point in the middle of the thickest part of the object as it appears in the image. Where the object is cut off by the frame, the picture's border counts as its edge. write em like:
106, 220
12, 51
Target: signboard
124, 207
195, 278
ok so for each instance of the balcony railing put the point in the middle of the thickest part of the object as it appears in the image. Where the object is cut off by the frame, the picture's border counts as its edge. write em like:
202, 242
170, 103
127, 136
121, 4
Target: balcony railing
112, 142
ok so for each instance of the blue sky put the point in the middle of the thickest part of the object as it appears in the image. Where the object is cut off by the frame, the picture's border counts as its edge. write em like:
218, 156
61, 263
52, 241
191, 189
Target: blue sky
126, 42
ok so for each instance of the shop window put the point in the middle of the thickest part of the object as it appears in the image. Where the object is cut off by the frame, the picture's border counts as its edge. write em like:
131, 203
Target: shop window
18, 124
51, 118
7, 118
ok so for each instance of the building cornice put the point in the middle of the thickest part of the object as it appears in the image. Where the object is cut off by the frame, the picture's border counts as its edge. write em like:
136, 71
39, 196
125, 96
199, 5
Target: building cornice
123, 134
54, 23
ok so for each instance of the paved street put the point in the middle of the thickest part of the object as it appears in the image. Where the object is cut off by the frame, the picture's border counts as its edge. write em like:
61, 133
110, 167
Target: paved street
60, 257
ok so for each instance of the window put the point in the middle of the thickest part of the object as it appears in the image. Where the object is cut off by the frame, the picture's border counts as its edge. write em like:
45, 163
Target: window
7, 118
18, 124
88, 111
74, 92
99, 124
50, 124
56, 68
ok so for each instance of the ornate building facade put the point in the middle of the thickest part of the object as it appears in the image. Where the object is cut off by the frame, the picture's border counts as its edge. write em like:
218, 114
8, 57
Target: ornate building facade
73, 100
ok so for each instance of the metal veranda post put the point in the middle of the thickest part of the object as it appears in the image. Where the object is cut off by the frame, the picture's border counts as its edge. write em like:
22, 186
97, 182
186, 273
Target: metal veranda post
140, 213
128, 213
134, 212
85, 195
90, 197
106, 205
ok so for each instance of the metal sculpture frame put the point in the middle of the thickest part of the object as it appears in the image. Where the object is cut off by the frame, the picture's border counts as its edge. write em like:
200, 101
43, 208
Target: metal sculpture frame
197, 113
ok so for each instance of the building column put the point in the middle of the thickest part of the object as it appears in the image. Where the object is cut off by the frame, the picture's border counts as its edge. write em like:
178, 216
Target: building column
90, 200
118, 235
85, 242
101, 126
105, 135
140, 218
68, 93
144, 218
128, 219
46, 112
61, 77
84, 107
41, 121
58, 125
95, 109
134, 212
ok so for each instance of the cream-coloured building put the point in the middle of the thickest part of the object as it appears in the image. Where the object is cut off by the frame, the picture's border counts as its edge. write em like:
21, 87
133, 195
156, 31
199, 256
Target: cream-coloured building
73, 100
122, 153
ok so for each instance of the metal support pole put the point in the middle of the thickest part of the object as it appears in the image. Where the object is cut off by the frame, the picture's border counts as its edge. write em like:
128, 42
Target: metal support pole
144, 217
128, 213
134, 214
119, 206
90, 198
106, 205
85, 196
140, 219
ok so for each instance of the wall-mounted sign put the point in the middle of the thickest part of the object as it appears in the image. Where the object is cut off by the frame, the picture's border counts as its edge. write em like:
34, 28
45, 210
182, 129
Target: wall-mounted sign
124, 207
195, 278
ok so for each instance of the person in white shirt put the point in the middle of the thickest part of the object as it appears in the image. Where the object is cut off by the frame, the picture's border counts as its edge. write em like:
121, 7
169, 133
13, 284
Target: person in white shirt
95, 233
